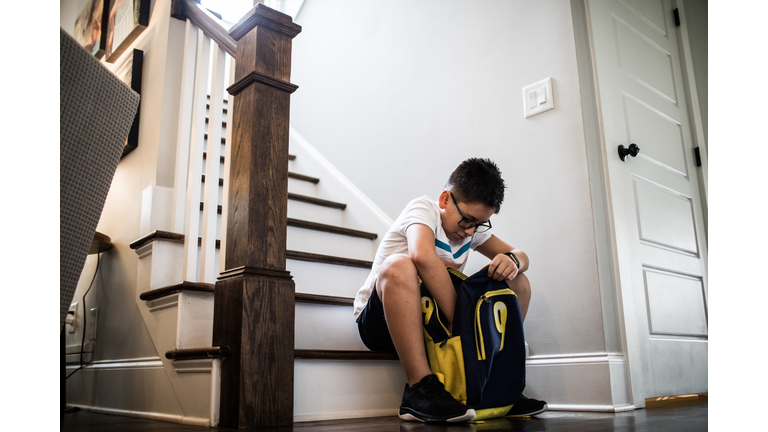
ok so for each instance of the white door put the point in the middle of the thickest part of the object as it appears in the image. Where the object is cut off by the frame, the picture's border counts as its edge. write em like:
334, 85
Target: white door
657, 214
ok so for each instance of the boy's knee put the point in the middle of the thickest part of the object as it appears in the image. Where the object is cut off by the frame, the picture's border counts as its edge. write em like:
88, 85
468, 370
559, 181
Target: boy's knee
521, 286
397, 270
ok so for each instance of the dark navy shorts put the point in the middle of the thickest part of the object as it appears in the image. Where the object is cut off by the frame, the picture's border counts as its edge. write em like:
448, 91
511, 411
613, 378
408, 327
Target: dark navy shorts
373, 327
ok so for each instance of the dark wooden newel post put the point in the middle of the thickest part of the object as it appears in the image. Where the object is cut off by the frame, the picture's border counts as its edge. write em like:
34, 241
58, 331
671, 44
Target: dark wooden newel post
254, 300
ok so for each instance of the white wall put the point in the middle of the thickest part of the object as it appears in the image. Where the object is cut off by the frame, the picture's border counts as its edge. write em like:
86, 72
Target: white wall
121, 330
397, 93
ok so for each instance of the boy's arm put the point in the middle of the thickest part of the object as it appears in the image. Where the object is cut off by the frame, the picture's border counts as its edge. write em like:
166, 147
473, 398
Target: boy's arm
502, 266
431, 269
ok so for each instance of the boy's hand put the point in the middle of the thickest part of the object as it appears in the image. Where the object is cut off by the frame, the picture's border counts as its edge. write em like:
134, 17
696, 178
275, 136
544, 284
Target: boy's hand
502, 267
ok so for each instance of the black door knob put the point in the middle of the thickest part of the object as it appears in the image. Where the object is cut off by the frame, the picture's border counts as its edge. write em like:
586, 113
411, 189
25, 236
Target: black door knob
633, 150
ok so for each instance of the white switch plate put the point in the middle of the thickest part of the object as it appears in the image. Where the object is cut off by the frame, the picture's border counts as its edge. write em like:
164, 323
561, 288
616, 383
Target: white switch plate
72, 317
538, 97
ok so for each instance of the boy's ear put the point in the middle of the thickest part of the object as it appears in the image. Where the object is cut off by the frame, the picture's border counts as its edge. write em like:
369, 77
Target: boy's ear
442, 201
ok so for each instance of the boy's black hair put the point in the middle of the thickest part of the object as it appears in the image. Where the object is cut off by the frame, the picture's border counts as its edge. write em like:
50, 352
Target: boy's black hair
478, 181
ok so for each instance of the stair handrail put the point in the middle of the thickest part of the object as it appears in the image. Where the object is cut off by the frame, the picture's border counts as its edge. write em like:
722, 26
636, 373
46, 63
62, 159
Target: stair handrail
203, 19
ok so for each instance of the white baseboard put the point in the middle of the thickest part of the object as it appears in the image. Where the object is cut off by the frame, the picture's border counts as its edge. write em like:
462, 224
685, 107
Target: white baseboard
121, 364
590, 408
594, 381
195, 421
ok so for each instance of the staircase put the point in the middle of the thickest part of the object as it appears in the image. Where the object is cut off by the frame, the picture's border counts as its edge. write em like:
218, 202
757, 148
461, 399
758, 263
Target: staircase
332, 237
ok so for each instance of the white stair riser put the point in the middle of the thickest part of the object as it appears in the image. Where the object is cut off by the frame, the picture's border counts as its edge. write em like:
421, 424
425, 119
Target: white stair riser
307, 240
160, 263
314, 213
195, 320
193, 391
326, 327
332, 389
302, 187
325, 279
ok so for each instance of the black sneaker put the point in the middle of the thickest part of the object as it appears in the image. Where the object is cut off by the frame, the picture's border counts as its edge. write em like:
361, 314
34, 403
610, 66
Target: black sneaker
428, 401
525, 407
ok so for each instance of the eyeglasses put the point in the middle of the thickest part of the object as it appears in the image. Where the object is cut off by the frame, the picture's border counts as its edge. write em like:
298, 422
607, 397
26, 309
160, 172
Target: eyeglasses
468, 223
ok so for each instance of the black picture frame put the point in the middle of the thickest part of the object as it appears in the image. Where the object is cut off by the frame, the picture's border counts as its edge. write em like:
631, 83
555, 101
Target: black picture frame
130, 72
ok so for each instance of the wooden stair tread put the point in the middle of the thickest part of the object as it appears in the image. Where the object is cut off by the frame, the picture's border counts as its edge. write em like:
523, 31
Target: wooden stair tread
327, 259
198, 353
298, 223
324, 300
172, 289
342, 355
305, 198
157, 235
303, 177
316, 201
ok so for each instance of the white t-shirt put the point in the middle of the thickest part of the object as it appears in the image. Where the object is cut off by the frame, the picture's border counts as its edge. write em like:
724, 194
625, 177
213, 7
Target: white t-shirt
423, 211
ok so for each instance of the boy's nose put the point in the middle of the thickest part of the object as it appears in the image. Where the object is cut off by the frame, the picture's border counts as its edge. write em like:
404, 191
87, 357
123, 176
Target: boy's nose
469, 231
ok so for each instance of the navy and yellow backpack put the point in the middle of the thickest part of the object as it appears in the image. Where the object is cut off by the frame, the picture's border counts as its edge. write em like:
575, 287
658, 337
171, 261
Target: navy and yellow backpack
481, 361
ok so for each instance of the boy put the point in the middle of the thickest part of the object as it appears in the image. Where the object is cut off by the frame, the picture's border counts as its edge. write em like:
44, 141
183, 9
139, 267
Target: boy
425, 238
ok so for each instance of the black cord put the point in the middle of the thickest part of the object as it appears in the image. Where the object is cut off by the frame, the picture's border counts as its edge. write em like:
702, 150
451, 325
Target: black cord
85, 314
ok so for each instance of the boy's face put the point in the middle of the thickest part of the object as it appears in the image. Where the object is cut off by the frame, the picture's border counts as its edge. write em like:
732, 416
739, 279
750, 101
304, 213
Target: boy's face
450, 215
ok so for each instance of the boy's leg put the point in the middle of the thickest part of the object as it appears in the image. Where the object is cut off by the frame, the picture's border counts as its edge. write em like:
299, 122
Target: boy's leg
425, 398
398, 288
521, 286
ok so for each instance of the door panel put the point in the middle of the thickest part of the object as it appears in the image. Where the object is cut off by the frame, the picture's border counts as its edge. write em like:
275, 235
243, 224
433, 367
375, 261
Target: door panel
661, 136
664, 217
675, 304
654, 197
644, 60
650, 11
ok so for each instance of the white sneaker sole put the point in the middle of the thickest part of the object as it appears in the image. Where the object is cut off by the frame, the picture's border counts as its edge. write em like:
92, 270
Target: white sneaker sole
529, 414
469, 415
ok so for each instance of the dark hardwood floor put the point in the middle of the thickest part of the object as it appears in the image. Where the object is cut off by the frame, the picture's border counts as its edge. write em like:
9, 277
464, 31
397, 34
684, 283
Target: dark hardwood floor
677, 414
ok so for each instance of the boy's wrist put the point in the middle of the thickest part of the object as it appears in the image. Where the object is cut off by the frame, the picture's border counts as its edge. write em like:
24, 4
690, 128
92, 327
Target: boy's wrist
514, 258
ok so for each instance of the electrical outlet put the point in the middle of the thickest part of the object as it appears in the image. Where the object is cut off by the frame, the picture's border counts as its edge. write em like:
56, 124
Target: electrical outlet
72, 317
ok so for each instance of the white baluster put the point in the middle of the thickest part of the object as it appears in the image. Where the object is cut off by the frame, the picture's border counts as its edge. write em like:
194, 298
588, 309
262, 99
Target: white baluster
185, 127
227, 159
197, 146
211, 193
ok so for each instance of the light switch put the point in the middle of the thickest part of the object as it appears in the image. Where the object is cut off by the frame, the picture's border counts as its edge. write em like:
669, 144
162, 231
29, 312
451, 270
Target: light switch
538, 98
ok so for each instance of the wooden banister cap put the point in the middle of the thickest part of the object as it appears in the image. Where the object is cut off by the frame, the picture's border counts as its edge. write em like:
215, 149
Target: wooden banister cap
267, 17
